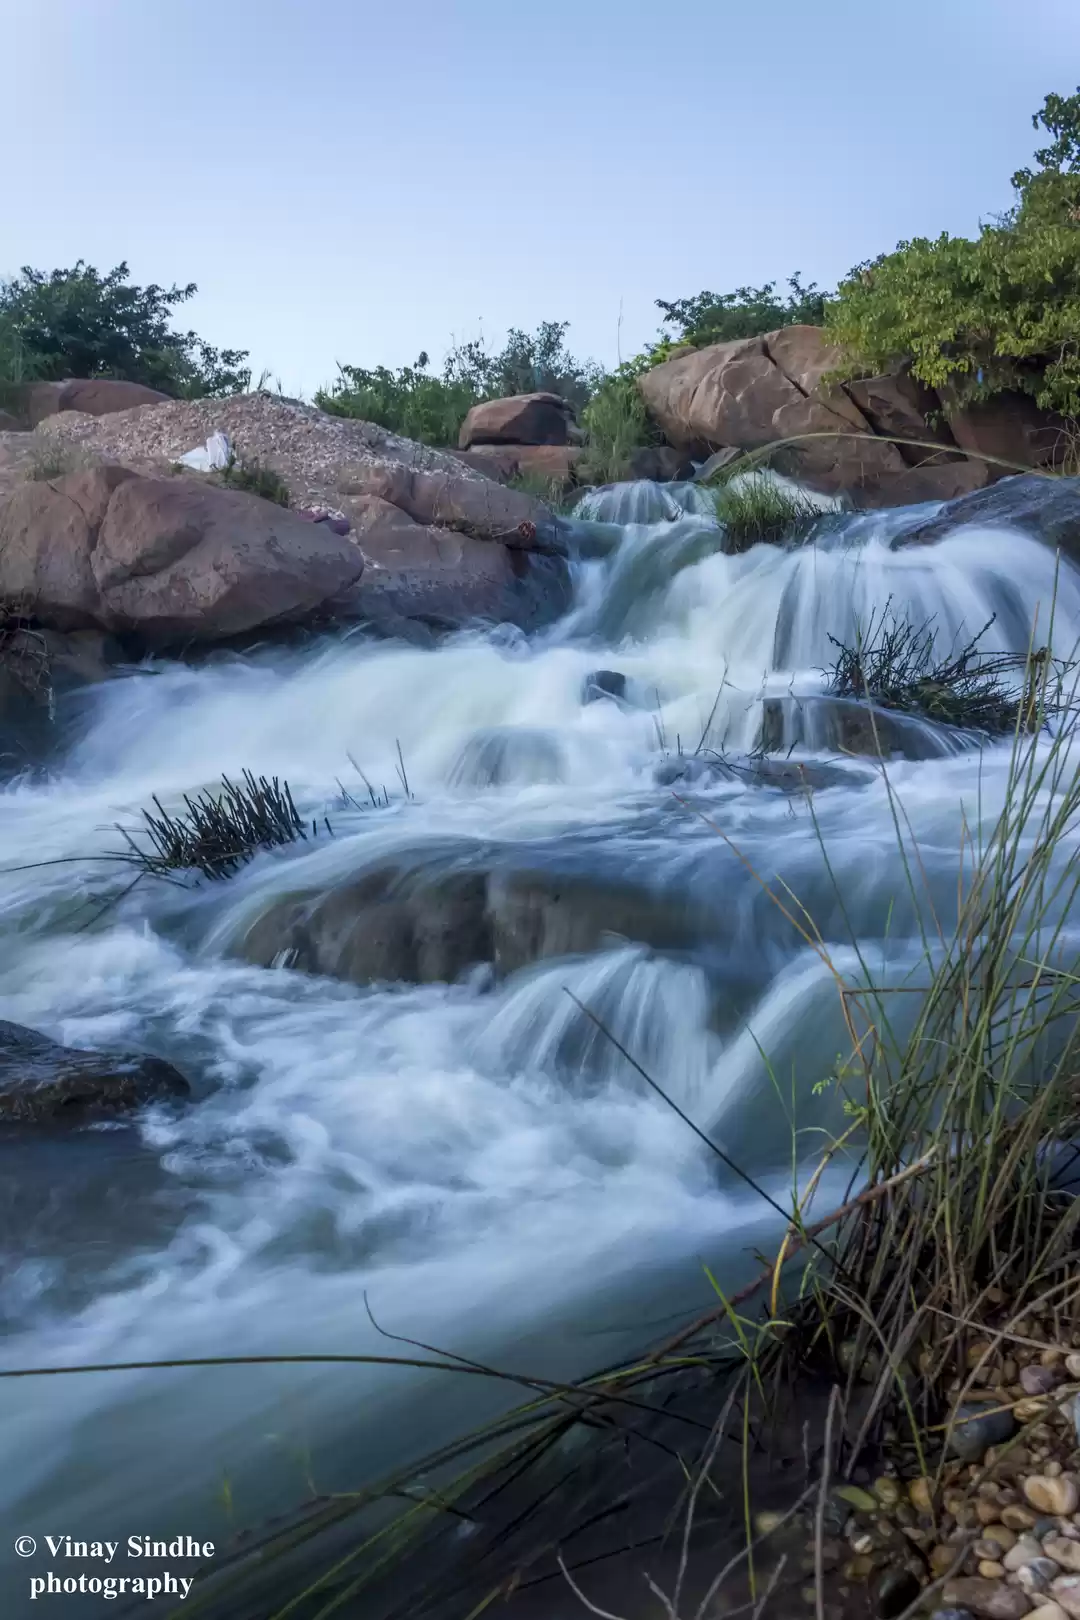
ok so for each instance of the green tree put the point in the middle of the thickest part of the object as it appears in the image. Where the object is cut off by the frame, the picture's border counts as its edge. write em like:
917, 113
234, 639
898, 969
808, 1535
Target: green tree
79, 323
746, 312
998, 312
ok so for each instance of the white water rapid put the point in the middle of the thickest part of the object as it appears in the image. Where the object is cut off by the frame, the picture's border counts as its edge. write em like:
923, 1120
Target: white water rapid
475, 1157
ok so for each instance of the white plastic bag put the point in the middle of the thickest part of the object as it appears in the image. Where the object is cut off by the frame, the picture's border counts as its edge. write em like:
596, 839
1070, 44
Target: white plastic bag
212, 456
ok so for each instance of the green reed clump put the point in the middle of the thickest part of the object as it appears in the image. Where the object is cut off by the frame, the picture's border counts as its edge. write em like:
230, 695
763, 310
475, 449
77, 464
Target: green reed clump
217, 833
896, 664
755, 510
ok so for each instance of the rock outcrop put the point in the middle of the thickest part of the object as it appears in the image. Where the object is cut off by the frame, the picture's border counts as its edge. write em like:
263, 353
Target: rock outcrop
481, 548
44, 1083
169, 560
763, 391
519, 419
543, 464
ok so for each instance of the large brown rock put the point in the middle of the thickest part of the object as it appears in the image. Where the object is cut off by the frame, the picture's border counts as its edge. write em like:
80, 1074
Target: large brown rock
1009, 426
168, 559
758, 391
518, 419
95, 396
443, 577
899, 406
1035, 504
553, 465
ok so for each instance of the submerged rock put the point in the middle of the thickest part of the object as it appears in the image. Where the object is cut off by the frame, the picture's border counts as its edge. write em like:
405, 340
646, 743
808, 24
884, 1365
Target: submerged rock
44, 1083
849, 726
604, 683
756, 770
504, 756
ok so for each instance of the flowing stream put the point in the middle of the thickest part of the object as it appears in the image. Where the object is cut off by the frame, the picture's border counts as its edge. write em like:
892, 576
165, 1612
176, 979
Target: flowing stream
474, 1160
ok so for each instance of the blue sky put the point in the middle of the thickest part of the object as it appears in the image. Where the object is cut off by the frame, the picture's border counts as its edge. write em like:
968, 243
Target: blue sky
360, 179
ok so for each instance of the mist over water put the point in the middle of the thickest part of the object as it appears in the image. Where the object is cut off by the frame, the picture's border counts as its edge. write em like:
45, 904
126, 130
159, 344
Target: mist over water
476, 1158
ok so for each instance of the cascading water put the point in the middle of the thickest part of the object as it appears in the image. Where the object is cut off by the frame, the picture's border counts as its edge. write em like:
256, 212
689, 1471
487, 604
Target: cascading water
474, 1156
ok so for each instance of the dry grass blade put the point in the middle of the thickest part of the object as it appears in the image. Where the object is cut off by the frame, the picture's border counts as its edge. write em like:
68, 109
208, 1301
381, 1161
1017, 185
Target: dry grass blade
218, 833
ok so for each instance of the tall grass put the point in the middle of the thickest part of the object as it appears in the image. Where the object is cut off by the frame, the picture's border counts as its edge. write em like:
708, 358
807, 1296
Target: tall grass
755, 510
616, 424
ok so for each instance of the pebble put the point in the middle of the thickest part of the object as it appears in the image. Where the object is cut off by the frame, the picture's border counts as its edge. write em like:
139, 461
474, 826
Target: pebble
977, 1428
1048, 1611
1039, 1380
1026, 1550
1057, 1496
766, 1523
887, 1491
1039, 1575
1017, 1516
989, 1598
1066, 1591
942, 1559
921, 1494
986, 1511
1063, 1552
1001, 1536
990, 1569
1030, 1407
1072, 1364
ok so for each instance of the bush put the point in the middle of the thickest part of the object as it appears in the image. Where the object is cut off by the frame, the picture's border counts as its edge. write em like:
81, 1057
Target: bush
755, 510
746, 312
1000, 312
77, 323
419, 404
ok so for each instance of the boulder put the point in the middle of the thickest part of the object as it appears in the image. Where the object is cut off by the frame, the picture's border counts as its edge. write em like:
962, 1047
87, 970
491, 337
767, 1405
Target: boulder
519, 419
756, 391
662, 463
1010, 426
169, 560
416, 571
505, 756
1048, 508
95, 396
552, 464
792, 776
44, 1083
900, 406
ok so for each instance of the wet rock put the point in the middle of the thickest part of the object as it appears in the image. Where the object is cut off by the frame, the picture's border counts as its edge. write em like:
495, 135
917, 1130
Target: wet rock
848, 726
1048, 508
604, 683
977, 1429
755, 770
508, 756
989, 1598
1052, 1496
44, 1083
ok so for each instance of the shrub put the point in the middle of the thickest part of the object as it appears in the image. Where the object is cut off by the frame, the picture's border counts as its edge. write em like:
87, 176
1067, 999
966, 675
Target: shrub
419, 404
755, 510
253, 479
1000, 312
746, 312
78, 323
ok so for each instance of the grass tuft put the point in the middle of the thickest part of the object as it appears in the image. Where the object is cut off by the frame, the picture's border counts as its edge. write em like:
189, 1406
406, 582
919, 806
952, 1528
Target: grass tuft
219, 833
253, 479
755, 510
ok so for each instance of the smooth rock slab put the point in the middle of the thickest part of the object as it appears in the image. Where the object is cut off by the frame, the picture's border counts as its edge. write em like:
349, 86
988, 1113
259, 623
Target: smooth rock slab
44, 1083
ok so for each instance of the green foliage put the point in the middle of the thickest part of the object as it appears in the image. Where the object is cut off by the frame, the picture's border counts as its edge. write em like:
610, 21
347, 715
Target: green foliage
755, 510
78, 323
616, 424
255, 480
746, 312
996, 313
422, 405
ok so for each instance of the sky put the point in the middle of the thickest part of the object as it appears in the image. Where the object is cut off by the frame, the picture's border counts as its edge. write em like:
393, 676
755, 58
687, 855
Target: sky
358, 180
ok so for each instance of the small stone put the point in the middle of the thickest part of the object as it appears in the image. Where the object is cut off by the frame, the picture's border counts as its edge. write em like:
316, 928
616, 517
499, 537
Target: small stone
1048, 1611
1063, 1552
1054, 1496
1001, 1536
990, 1598
942, 1559
1029, 1408
1017, 1516
766, 1523
887, 1491
980, 1351
1026, 1549
1066, 1591
1072, 1364
988, 1512
1052, 1356
862, 1544
986, 1549
1045, 1526
1053, 1470
977, 1427
857, 1498
921, 1495
1039, 1575
990, 1570
857, 1569
1039, 1380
